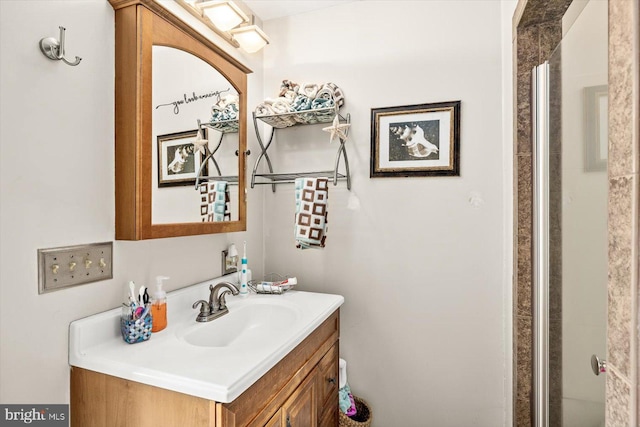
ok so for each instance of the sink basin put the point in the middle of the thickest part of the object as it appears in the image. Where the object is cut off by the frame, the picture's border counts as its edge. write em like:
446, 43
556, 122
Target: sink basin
251, 321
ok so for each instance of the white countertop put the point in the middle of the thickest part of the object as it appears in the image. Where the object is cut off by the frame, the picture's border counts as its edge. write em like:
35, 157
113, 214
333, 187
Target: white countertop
168, 361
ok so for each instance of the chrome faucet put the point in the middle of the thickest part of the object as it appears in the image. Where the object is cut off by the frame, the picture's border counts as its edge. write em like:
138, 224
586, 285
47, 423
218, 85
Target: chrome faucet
217, 305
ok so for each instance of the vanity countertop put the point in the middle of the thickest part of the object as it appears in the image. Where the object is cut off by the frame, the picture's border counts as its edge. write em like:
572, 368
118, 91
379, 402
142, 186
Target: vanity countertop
215, 363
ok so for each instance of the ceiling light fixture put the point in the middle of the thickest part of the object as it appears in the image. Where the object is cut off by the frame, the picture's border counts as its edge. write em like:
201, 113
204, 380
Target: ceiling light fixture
227, 20
223, 14
250, 38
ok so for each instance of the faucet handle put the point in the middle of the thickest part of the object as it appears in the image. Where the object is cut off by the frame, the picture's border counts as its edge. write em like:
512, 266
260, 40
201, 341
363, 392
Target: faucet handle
222, 302
204, 307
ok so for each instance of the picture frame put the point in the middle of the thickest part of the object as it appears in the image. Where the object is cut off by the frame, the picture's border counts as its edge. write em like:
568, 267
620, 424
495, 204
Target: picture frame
416, 140
178, 162
596, 143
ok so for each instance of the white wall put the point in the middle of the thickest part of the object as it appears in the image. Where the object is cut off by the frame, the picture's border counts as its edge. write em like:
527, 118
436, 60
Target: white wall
421, 269
57, 189
508, 8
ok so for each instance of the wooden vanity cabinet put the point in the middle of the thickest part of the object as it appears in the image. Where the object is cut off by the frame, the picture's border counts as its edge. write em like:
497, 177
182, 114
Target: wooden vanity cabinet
300, 391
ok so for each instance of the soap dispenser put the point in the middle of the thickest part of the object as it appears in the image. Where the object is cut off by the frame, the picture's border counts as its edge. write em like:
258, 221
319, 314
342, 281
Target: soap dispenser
159, 306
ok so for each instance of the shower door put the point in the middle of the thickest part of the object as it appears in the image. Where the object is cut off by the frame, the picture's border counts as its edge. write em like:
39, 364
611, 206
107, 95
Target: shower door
570, 257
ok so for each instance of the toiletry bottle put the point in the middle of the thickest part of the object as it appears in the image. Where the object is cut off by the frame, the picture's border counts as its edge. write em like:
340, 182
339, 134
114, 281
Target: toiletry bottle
244, 290
159, 306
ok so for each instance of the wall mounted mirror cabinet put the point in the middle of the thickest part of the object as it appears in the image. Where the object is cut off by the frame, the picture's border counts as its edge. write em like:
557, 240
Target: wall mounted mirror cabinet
174, 87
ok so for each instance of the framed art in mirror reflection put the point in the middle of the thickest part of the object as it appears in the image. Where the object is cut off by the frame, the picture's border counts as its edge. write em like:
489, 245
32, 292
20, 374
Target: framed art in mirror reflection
178, 161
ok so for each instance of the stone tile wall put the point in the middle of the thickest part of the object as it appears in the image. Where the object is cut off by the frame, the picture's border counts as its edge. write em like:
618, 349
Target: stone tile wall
537, 34
622, 328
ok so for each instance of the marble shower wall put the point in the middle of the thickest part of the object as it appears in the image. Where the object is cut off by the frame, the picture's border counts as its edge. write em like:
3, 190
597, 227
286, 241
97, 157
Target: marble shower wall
538, 30
623, 286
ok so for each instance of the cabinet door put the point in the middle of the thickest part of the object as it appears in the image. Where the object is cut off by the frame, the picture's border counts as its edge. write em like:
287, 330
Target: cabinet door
300, 410
329, 417
327, 377
276, 420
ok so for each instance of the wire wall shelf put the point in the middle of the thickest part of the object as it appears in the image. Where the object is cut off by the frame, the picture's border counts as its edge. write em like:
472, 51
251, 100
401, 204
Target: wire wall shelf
305, 117
224, 127
285, 120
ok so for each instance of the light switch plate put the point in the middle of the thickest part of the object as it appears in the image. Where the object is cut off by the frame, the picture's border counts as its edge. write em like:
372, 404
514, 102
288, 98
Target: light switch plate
63, 267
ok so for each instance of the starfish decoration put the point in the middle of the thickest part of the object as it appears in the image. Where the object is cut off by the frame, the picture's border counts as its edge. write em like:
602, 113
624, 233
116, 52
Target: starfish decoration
337, 129
200, 143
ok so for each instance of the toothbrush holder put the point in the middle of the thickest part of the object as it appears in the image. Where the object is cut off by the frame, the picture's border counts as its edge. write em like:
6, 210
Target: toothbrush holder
138, 330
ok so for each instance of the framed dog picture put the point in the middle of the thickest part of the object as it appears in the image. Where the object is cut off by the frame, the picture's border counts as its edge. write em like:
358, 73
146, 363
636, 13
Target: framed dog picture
178, 162
416, 140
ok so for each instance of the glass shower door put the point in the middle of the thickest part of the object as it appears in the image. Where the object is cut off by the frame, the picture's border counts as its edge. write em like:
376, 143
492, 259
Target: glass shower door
573, 224
583, 214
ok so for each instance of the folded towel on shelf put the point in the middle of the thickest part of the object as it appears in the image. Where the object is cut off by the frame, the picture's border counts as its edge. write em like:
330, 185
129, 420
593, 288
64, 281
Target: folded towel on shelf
324, 94
301, 103
294, 98
289, 96
227, 100
229, 112
288, 85
320, 103
309, 89
311, 212
281, 106
214, 198
227, 108
335, 91
264, 109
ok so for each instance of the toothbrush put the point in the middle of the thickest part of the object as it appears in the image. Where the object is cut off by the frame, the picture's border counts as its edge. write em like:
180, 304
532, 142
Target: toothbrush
145, 312
132, 292
243, 273
141, 296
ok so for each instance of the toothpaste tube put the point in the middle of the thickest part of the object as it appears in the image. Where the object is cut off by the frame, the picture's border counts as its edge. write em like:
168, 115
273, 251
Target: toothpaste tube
277, 287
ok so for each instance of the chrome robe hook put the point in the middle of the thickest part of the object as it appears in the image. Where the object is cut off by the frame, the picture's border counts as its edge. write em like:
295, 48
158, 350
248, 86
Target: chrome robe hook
54, 49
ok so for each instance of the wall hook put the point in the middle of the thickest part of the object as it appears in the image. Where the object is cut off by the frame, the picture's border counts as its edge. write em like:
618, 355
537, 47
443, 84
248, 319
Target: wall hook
54, 49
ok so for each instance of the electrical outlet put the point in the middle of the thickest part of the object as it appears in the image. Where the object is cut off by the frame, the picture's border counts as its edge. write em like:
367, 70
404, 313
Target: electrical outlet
229, 264
60, 268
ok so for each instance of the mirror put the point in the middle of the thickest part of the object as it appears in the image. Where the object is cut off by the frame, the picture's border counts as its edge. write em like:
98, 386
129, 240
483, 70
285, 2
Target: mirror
160, 61
185, 90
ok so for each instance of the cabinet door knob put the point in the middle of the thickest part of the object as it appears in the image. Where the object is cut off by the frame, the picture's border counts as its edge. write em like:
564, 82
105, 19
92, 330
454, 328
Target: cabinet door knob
288, 421
332, 380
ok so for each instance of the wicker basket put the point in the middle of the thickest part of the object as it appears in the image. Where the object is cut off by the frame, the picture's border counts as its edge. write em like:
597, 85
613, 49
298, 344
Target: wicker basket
362, 418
